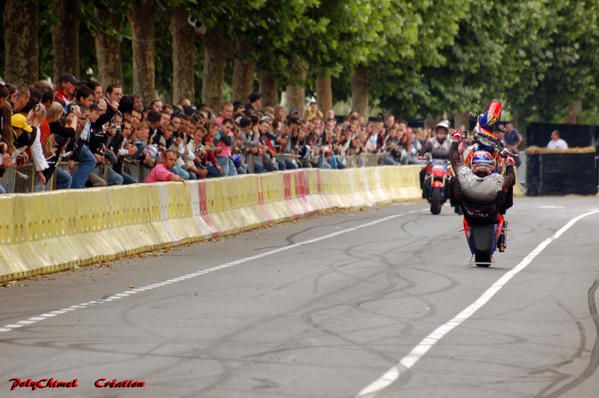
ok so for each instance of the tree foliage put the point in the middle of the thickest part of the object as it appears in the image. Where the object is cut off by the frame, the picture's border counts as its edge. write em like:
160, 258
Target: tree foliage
423, 56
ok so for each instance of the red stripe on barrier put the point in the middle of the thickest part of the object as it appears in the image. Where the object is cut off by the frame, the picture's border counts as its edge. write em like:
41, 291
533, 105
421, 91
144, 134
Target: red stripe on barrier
203, 200
304, 174
318, 181
260, 190
204, 209
287, 185
300, 189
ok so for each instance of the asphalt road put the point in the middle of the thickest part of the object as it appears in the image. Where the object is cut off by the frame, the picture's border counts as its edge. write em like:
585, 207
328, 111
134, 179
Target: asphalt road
324, 307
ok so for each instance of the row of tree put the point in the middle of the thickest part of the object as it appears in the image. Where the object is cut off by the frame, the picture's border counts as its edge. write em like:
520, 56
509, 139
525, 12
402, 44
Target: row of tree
413, 57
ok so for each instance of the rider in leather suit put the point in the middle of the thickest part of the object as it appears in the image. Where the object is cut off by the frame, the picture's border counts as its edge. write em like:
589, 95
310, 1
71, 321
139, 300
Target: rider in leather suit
438, 146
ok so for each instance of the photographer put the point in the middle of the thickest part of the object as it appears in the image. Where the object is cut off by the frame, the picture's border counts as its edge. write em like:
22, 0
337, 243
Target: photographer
56, 137
26, 134
122, 145
99, 140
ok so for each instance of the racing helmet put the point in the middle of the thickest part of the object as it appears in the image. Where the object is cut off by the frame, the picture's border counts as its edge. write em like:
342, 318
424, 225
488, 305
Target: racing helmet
491, 116
442, 130
486, 139
482, 163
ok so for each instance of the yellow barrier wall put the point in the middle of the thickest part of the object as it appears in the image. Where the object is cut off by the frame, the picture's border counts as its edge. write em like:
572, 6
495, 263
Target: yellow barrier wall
53, 231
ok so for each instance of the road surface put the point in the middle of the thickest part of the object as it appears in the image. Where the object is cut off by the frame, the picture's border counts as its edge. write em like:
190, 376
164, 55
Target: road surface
381, 302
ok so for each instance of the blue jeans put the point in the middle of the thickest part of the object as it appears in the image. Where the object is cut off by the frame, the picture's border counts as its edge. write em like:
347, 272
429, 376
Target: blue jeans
242, 169
289, 165
258, 167
181, 173
127, 179
87, 164
227, 165
114, 178
63, 178
212, 171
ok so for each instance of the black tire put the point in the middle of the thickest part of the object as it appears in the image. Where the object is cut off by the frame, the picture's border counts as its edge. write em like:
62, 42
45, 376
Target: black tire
436, 201
482, 259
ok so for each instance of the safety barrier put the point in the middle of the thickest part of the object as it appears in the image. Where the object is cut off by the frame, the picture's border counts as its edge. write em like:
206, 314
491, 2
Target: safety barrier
52, 231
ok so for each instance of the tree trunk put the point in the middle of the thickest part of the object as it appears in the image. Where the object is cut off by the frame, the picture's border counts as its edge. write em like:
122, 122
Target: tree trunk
269, 87
108, 48
324, 92
215, 58
142, 22
359, 88
65, 37
243, 79
21, 42
574, 109
296, 93
184, 53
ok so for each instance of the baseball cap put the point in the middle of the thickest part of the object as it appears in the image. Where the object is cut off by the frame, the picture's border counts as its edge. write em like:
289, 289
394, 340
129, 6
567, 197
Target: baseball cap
68, 78
19, 121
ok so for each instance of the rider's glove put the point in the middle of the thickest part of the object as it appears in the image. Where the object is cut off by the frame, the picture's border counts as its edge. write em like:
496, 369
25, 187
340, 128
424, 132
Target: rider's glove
456, 135
510, 161
472, 115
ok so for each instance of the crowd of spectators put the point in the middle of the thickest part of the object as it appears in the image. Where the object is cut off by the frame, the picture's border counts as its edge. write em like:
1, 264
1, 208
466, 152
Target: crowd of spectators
102, 134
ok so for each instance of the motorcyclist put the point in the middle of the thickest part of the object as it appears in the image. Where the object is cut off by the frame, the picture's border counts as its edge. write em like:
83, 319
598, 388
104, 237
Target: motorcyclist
438, 146
479, 188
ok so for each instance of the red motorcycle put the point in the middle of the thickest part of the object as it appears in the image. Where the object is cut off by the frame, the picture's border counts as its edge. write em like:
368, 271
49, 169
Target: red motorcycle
436, 183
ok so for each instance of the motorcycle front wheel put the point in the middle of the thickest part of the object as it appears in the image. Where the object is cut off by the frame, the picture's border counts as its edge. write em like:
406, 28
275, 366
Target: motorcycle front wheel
436, 201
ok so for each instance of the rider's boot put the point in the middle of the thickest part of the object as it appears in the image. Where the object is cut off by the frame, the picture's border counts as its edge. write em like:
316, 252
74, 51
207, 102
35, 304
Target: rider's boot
502, 241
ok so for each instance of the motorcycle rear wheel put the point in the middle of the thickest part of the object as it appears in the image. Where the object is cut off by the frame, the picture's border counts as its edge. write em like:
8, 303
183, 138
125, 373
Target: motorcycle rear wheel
436, 201
482, 259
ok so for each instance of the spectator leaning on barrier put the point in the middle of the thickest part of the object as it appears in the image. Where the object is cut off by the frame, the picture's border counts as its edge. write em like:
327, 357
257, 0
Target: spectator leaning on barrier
225, 113
162, 171
224, 143
55, 139
156, 105
138, 104
27, 135
255, 102
6, 130
65, 93
5, 114
312, 112
86, 161
97, 90
114, 93
84, 97
556, 142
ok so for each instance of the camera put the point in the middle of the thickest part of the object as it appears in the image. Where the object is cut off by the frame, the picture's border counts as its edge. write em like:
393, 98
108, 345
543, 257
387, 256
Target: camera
74, 109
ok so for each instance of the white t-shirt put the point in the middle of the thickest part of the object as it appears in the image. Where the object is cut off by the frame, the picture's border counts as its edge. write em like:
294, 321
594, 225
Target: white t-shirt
557, 144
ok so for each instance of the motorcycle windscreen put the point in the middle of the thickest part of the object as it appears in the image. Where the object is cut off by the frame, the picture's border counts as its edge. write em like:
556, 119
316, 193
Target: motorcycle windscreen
482, 238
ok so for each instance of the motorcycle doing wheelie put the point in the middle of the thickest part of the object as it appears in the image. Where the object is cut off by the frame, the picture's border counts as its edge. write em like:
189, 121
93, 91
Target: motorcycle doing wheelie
482, 202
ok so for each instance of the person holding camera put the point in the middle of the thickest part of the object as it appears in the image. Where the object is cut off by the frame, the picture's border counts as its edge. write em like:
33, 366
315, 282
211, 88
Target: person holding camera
57, 136
27, 135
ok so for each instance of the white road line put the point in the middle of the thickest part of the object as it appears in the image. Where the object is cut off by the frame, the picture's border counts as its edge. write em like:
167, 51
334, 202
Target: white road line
127, 293
407, 362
